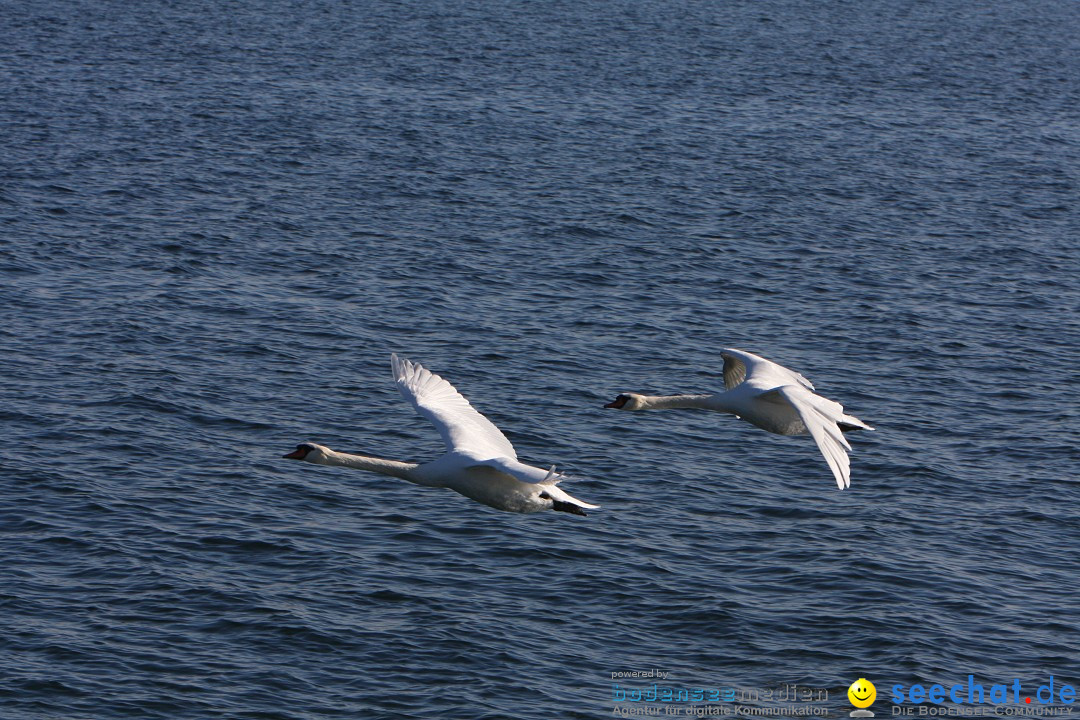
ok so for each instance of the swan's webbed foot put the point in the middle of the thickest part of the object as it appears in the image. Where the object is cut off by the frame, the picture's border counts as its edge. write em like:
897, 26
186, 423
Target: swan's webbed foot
571, 508
563, 506
848, 427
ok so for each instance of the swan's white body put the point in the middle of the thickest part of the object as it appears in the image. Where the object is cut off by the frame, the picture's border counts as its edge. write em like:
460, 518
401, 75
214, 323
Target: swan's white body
480, 463
775, 399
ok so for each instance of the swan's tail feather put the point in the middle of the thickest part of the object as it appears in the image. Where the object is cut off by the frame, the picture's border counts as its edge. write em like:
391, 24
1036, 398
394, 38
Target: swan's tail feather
559, 495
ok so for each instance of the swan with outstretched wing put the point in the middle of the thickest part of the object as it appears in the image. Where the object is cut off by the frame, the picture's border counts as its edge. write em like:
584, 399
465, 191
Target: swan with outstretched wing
479, 463
775, 399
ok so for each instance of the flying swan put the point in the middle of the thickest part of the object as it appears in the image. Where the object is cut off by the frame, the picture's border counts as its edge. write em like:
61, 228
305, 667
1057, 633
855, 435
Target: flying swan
480, 463
773, 398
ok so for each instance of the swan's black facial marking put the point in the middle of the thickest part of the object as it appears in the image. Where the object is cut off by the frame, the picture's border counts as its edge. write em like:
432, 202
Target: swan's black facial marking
300, 452
618, 402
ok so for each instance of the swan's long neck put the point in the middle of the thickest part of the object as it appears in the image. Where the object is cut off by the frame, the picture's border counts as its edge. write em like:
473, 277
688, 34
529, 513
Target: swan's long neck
665, 402
402, 470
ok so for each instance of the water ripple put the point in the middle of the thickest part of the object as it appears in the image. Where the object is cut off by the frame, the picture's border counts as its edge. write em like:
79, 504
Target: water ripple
212, 243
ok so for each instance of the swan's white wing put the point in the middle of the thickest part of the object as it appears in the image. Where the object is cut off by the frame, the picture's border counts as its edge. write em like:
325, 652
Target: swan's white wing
521, 471
740, 365
820, 415
536, 476
462, 428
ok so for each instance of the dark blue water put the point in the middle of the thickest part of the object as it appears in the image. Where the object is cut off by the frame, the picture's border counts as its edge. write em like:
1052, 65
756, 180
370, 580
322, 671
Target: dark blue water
217, 221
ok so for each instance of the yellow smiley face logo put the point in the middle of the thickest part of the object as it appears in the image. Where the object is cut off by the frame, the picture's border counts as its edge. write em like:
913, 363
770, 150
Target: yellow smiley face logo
862, 693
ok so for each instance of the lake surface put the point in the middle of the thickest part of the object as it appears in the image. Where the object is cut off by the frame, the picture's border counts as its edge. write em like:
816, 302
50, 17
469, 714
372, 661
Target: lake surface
219, 219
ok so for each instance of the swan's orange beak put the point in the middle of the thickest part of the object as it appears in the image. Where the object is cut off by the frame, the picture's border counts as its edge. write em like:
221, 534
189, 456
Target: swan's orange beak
618, 402
297, 454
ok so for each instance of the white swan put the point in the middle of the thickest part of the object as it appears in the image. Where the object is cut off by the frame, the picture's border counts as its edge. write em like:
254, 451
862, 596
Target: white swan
480, 463
773, 398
